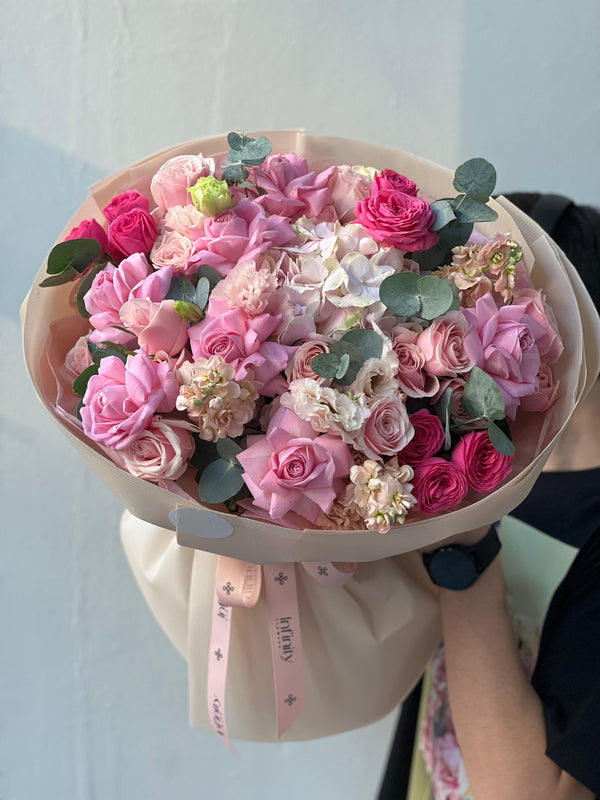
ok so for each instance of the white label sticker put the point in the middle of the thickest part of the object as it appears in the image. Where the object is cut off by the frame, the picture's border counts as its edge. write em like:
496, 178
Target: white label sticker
203, 524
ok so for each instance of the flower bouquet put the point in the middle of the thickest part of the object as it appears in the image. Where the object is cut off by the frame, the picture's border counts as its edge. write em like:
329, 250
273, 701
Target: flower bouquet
287, 358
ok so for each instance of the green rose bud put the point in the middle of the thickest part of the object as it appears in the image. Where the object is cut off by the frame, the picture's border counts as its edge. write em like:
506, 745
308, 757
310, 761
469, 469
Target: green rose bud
211, 196
190, 312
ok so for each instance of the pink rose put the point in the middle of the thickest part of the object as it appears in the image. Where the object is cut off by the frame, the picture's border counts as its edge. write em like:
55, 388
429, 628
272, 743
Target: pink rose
545, 394
120, 401
501, 342
132, 232
294, 468
78, 358
411, 362
388, 179
484, 467
291, 190
175, 250
171, 183
348, 187
542, 324
125, 202
157, 326
398, 219
161, 453
438, 485
242, 341
428, 438
387, 430
240, 234
90, 229
442, 344
299, 367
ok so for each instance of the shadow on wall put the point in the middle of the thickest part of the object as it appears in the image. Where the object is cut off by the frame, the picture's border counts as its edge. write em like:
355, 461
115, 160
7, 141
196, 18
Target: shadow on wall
42, 189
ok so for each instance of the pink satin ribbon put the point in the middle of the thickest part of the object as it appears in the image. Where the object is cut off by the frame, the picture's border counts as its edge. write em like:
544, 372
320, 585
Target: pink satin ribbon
238, 583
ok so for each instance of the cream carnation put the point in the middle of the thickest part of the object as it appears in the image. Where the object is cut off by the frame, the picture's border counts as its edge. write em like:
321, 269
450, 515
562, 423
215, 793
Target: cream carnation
327, 410
247, 287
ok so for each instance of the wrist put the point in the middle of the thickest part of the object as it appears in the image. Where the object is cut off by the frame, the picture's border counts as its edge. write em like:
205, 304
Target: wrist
457, 565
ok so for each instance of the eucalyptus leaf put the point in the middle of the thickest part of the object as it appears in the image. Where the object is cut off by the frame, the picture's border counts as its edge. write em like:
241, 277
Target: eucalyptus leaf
75, 253
235, 174
180, 289
475, 176
57, 280
442, 410
469, 210
444, 214
229, 449
202, 293
343, 367
81, 381
432, 258
455, 234
254, 151
500, 440
346, 371
206, 271
367, 341
220, 481
436, 296
400, 294
326, 365
234, 140
482, 397
84, 287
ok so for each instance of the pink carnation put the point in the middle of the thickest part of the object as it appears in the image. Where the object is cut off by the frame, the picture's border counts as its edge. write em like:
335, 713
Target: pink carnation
240, 234
120, 401
291, 190
293, 468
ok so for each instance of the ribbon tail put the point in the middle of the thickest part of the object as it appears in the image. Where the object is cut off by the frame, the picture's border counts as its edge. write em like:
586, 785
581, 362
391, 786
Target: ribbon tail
217, 667
286, 642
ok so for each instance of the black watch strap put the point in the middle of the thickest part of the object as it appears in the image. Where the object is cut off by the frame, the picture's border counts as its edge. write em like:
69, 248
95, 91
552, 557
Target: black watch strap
457, 566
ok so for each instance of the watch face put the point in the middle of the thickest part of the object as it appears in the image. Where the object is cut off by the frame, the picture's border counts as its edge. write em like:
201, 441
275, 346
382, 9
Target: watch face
453, 569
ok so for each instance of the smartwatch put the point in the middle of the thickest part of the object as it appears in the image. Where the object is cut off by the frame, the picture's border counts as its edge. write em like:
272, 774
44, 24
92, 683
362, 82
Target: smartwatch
457, 567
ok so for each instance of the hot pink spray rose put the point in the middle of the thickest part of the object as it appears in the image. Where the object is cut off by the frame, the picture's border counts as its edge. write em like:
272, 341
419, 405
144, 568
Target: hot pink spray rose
428, 438
158, 326
121, 399
160, 453
483, 465
90, 229
388, 179
293, 468
291, 190
240, 234
125, 202
171, 183
442, 344
502, 342
439, 485
398, 219
242, 341
132, 232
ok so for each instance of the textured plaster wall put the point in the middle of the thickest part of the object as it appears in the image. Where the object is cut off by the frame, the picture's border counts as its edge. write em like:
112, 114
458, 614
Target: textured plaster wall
93, 696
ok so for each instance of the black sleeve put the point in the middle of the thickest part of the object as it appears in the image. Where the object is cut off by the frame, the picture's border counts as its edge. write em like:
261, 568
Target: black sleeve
567, 675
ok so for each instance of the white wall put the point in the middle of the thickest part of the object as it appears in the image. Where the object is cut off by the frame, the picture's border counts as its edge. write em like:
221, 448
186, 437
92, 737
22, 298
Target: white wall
93, 696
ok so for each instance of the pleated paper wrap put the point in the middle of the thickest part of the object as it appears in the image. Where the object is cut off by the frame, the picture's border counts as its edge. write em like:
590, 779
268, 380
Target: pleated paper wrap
365, 643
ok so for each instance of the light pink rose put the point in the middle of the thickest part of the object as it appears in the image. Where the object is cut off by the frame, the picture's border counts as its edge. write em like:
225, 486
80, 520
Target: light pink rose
161, 452
242, 341
348, 187
484, 467
120, 401
291, 190
387, 430
294, 468
546, 393
396, 218
411, 374
90, 229
78, 358
132, 232
439, 485
186, 220
388, 179
542, 324
428, 437
442, 344
171, 183
501, 342
157, 326
175, 250
299, 366
125, 202
240, 234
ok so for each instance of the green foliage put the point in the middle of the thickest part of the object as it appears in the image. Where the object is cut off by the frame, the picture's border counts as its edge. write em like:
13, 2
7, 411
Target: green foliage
469, 210
205, 271
442, 410
244, 152
220, 481
181, 289
58, 280
228, 449
75, 253
366, 341
411, 295
444, 214
475, 177
202, 293
482, 398
500, 438
188, 311
84, 287
347, 356
81, 381
108, 349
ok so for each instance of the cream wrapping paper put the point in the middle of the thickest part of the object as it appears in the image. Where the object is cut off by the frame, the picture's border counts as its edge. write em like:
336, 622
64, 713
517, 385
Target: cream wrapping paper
366, 643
